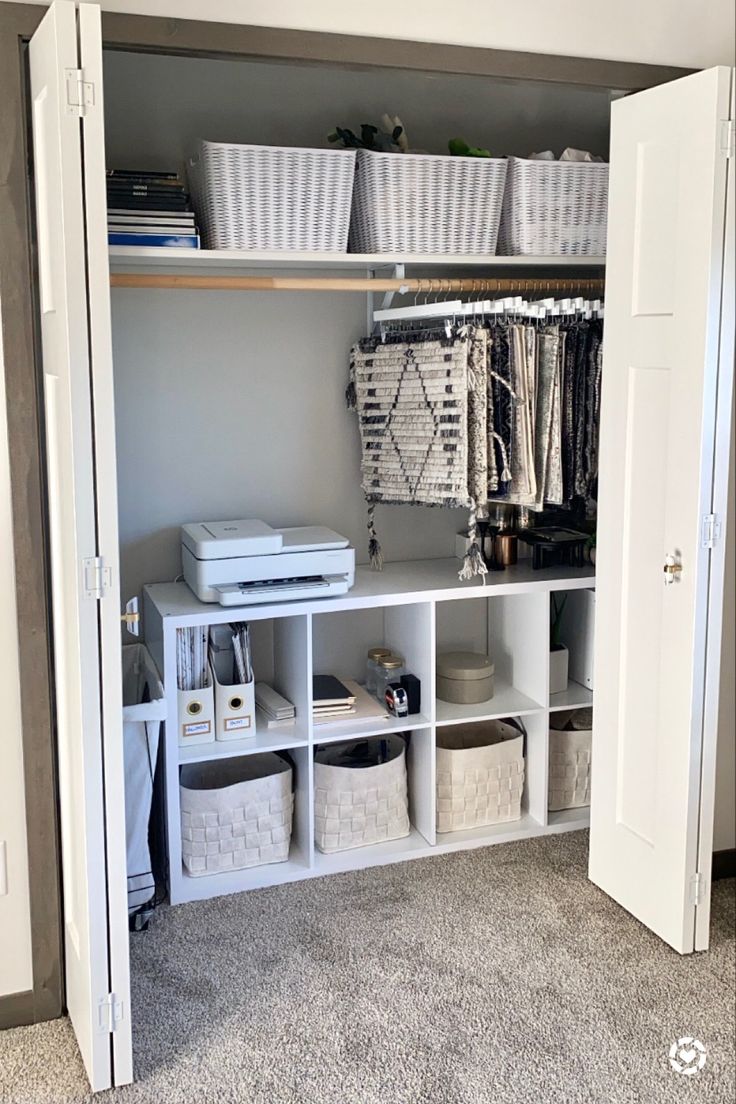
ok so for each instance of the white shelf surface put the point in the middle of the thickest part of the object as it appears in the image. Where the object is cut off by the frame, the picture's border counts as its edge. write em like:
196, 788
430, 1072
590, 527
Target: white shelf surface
506, 702
486, 834
265, 739
413, 846
568, 820
575, 696
399, 583
133, 258
346, 730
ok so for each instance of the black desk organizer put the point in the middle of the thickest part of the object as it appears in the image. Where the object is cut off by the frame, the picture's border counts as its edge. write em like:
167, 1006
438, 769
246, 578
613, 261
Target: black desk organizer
555, 546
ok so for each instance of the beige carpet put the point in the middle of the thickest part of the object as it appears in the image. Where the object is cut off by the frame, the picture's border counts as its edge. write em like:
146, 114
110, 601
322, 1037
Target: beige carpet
496, 976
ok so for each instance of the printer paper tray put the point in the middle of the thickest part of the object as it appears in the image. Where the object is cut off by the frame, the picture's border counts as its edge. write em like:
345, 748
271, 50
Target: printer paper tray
293, 590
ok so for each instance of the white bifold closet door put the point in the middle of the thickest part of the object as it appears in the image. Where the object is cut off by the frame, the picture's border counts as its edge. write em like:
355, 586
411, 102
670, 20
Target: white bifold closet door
666, 408
68, 144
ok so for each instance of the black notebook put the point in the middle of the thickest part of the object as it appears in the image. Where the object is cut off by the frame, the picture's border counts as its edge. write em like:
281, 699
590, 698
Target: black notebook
328, 690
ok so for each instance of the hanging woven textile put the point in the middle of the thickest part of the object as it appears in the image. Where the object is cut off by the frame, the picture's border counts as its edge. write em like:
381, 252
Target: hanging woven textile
419, 445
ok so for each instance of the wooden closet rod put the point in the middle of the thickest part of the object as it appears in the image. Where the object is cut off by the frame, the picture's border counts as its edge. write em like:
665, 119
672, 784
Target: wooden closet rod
323, 283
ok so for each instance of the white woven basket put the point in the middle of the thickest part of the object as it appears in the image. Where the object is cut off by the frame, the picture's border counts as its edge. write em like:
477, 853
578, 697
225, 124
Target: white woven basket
272, 198
569, 763
480, 775
356, 806
236, 813
554, 208
416, 203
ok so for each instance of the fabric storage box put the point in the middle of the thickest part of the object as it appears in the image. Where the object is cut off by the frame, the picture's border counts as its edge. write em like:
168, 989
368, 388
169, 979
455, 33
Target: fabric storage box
144, 708
359, 800
418, 203
554, 208
464, 678
235, 813
480, 774
570, 740
272, 198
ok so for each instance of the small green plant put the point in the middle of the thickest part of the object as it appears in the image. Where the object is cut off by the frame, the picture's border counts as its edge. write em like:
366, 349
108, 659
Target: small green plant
458, 147
558, 608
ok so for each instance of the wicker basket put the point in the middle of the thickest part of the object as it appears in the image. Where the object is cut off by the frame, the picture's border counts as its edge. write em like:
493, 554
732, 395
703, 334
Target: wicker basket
569, 760
272, 198
416, 203
480, 775
354, 804
236, 813
554, 208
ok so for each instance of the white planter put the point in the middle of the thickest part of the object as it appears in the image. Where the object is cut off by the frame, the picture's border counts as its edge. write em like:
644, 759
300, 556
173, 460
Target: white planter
236, 813
558, 667
357, 806
480, 775
569, 765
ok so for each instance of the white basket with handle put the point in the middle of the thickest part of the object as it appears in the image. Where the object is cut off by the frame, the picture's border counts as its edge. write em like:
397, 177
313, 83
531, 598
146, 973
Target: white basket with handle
357, 804
419, 203
480, 774
235, 813
554, 208
570, 743
272, 197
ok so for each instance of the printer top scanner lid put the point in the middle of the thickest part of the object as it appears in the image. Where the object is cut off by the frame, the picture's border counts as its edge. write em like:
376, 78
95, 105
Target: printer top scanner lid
220, 540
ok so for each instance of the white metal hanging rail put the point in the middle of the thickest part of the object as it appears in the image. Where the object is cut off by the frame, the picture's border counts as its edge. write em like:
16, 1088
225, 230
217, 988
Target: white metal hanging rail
320, 283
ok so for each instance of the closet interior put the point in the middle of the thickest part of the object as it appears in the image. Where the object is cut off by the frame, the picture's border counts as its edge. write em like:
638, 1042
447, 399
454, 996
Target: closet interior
230, 403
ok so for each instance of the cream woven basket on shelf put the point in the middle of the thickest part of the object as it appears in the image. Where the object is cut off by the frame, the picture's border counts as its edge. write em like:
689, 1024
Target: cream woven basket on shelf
418, 203
554, 208
359, 805
272, 197
236, 813
569, 760
480, 774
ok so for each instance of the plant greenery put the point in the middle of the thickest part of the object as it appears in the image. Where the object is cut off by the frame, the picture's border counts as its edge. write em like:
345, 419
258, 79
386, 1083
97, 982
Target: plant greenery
458, 147
558, 608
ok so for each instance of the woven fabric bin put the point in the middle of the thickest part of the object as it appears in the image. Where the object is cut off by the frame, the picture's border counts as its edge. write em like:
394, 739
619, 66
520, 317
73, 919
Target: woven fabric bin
272, 198
569, 760
358, 805
554, 208
236, 813
480, 775
416, 203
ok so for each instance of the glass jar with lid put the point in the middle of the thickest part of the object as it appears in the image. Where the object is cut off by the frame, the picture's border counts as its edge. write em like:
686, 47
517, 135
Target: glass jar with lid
390, 670
371, 667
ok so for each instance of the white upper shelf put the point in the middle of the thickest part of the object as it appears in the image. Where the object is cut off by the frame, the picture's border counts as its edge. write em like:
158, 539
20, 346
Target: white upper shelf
129, 258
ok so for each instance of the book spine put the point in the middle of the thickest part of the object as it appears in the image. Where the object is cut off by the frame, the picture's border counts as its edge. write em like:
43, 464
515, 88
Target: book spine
181, 241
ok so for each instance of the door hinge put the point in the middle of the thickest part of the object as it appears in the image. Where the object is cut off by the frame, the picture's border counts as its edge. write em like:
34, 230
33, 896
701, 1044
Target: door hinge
110, 1012
80, 94
97, 577
728, 137
711, 530
697, 889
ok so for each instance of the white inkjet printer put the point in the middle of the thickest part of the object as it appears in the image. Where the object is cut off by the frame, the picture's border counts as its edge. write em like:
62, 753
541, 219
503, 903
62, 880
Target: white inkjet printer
242, 563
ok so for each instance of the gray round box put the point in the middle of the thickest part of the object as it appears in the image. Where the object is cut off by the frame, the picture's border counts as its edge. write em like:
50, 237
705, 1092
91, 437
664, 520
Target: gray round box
464, 678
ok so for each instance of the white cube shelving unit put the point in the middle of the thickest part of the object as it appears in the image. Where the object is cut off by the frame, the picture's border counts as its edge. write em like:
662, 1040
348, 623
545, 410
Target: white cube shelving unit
417, 609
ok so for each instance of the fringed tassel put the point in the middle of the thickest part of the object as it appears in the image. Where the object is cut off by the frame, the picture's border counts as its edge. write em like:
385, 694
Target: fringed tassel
375, 554
473, 564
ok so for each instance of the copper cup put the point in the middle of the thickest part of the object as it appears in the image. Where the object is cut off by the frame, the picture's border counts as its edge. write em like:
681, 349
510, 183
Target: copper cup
507, 548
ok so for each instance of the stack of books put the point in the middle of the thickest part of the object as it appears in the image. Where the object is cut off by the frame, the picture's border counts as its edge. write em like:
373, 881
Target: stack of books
337, 699
275, 709
149, 208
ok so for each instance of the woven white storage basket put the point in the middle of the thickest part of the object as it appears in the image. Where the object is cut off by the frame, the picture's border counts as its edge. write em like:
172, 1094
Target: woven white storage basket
272, 198
569, 762
554, 208
416, 203
480, 775
356, 806
236, 813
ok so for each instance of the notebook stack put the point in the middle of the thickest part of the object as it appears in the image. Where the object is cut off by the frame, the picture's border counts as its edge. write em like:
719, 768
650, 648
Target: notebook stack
275, 709
343, 699
149, 208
